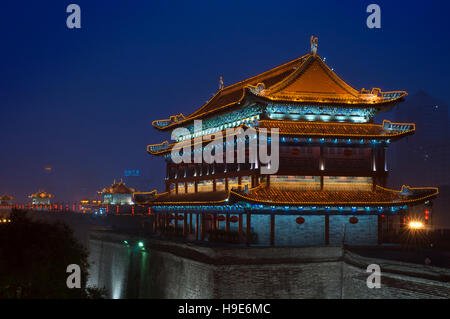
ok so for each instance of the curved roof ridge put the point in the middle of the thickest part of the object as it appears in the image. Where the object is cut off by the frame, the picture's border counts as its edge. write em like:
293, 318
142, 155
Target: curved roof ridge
234, 93
290, 79
243, 83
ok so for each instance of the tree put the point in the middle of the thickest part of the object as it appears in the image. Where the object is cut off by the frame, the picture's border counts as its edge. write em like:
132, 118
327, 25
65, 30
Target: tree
34, 257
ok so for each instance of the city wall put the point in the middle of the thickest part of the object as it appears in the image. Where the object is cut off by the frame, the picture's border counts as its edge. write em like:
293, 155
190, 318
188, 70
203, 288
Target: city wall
170, 269
163, 269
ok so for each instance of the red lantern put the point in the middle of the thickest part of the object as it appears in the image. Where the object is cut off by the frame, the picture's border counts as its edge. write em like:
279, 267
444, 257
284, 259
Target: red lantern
221, 218
234, 219
353, 220
299, 220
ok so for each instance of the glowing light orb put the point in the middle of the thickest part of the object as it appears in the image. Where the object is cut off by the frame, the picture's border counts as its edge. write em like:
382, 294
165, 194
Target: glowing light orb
415, 225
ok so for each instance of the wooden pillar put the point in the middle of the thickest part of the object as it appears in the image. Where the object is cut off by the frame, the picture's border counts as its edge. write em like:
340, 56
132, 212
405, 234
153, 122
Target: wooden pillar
202, 229
321, 160
226, 183
185, 226
176, 187
268, 180
186, 187
214, 184
197, 224
321, 182
380, 229
327, 230
166, 222
196, 186
227, 226
373, 161
272, 230
248, 235
214, 227
239, 182
157, 216
190, 223
176, 223
240, 228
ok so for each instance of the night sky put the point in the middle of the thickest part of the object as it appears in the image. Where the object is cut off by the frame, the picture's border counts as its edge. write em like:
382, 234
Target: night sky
82, 101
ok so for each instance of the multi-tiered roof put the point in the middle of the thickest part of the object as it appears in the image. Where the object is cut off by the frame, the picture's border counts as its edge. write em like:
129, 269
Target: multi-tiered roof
307, 101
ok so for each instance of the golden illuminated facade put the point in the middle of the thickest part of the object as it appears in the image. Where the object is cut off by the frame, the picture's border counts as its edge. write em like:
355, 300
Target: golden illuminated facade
6, 200
41, 198
331, 181
117, 194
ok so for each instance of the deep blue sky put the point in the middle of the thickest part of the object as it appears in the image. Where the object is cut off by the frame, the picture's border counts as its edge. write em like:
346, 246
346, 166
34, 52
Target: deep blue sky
82, 101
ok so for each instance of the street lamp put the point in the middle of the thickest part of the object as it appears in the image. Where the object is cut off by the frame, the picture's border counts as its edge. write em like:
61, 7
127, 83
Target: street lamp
415, 225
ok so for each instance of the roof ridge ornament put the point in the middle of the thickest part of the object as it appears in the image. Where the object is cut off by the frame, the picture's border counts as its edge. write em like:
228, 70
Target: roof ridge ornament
314, 44
221, 86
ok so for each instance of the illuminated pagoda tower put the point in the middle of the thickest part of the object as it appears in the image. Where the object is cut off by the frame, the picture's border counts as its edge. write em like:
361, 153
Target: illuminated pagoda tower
331, 182
41, 198
117, 194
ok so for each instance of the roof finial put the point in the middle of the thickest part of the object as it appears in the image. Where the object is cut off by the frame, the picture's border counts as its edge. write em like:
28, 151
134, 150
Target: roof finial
314, 44
220, 83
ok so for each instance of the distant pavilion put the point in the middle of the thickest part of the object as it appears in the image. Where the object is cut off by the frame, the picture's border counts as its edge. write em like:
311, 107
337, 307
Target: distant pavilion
41, 198
117, 194
6, 200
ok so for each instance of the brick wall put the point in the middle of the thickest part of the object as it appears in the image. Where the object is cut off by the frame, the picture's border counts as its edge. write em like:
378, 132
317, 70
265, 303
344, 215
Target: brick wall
288, 232
364, 232
177, 270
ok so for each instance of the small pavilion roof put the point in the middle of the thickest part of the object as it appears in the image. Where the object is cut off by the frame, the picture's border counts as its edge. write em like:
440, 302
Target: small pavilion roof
118, 188
6, 198
41, 194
